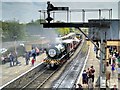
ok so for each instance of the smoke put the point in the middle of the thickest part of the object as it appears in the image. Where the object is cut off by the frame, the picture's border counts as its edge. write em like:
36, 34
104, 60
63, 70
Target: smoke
50, 34
37, 32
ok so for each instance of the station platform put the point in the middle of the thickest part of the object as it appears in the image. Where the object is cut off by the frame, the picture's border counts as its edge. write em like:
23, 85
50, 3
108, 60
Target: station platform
9, 73
91, 60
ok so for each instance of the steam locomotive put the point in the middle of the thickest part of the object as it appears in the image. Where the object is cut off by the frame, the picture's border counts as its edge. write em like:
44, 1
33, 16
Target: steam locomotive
59, 53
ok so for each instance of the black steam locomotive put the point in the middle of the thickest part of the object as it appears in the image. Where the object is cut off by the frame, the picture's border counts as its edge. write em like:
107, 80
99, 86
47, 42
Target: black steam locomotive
59, 53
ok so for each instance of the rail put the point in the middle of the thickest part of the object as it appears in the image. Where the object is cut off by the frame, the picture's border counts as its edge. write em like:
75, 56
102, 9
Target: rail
23, 78
69, 77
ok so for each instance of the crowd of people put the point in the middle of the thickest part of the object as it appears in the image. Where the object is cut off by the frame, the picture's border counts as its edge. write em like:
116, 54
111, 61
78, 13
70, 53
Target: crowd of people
13, 57
33, 53
114, 57
88, 77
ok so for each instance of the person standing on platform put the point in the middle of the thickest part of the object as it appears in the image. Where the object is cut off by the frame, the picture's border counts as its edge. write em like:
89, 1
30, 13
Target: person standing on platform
27, 57
92, 72
88, 71
33, 61
16, 58
33, 52
84, 77
90, 81
11, 57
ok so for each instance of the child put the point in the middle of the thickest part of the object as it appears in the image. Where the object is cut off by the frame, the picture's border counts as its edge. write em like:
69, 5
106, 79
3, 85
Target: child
33, 61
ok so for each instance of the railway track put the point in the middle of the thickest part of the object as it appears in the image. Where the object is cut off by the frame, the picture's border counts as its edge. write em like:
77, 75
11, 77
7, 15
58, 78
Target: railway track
71, 72
33, 80
45, 75
40, 79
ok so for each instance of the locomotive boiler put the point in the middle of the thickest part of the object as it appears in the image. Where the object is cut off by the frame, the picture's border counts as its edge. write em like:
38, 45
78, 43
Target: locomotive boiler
59, 53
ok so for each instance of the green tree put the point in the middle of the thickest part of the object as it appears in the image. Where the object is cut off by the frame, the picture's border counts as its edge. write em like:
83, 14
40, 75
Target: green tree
12, 29
63, 31
38, 21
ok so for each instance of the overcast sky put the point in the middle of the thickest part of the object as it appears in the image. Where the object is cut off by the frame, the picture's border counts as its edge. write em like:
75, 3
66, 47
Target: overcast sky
26, 10
60, 0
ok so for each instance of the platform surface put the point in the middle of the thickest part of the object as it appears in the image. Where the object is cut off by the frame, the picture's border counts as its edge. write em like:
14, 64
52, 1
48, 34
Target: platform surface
93, 61
8, 73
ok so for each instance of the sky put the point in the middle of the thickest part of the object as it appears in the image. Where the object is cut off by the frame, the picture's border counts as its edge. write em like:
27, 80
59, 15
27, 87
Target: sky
61, 0
119, 10
27, 10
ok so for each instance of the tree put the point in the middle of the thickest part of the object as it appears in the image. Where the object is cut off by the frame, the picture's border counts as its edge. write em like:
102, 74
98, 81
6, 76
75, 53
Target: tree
11, 29
38, 21
63, 31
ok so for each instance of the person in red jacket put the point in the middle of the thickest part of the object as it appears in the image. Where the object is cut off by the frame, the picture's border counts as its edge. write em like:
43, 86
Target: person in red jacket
33, 61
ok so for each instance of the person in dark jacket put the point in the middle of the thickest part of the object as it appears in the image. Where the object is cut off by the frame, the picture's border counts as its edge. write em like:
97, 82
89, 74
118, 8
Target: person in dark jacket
92, 72
33, 53
11, 57
27, 57
84, 77
16, 58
